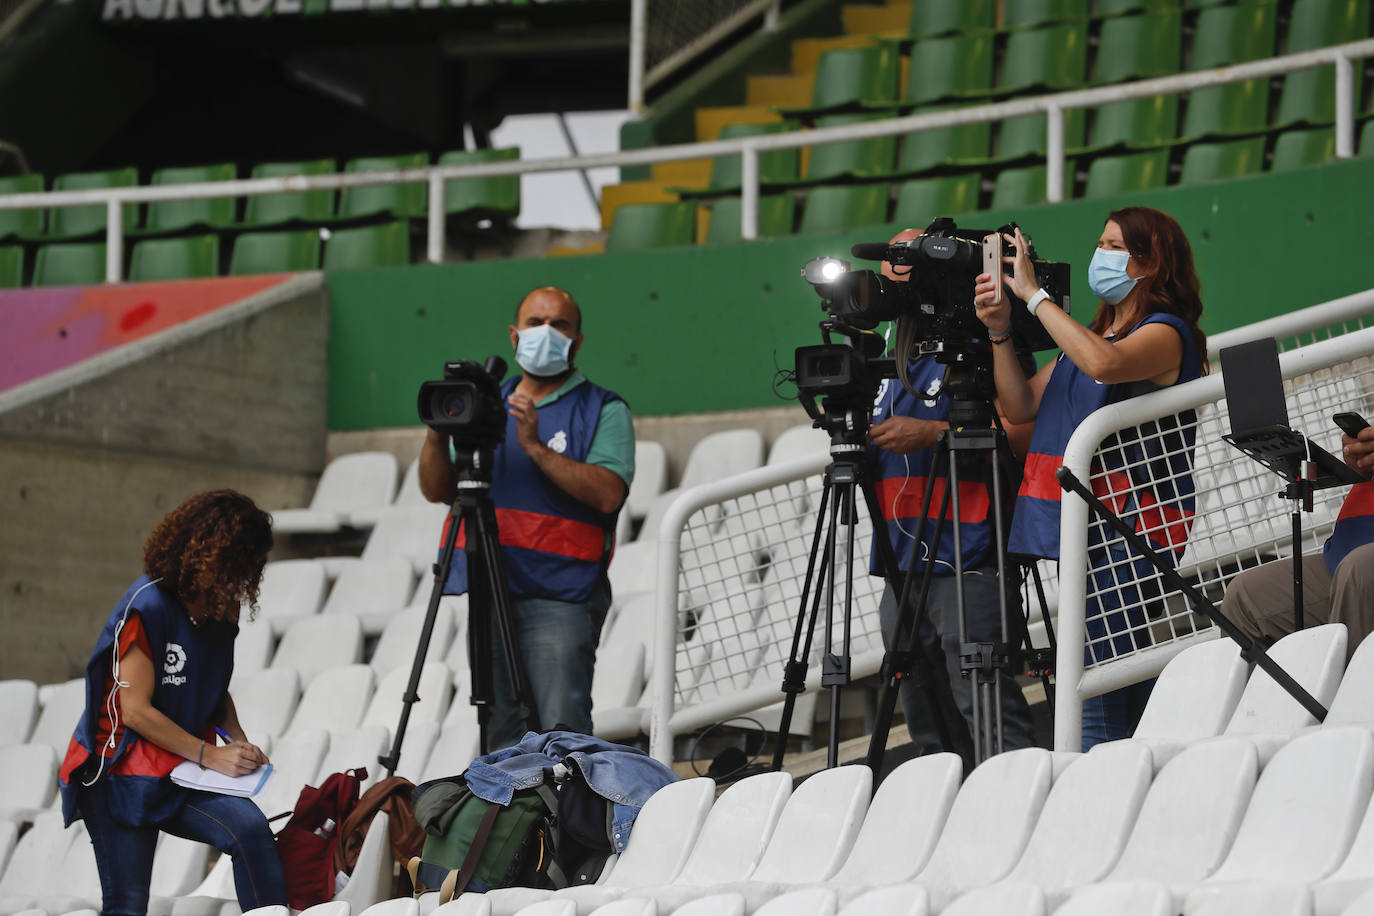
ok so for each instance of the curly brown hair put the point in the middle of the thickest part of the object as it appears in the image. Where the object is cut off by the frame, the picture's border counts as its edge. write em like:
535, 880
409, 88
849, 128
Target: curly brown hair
209, 553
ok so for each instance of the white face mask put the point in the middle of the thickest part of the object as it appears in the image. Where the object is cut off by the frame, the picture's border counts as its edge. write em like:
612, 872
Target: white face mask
1107, 276
542, 350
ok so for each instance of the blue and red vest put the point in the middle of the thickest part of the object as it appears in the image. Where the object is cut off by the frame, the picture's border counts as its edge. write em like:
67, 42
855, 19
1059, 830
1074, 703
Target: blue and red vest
1144, 475
900, 481
192, 665
554, 546
1354, 525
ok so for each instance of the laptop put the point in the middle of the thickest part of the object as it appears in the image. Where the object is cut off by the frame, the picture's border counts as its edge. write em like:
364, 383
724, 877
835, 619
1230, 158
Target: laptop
1259, 416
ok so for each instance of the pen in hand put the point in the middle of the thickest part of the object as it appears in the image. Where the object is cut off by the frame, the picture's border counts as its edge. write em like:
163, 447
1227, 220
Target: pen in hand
228, 740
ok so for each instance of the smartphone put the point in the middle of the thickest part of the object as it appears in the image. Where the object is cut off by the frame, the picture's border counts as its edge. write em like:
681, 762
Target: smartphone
1350, 423
992, 261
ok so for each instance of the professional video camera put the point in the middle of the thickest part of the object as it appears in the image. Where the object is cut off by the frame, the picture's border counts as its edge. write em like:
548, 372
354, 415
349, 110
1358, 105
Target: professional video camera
467, 403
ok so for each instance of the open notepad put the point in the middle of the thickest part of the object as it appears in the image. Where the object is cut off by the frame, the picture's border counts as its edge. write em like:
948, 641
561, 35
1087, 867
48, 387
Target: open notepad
189, 774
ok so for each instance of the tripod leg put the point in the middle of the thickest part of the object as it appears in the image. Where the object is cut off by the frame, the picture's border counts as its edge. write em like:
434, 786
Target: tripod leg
504, 615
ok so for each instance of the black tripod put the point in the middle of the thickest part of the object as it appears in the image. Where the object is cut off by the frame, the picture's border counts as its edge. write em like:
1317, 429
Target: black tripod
488, 600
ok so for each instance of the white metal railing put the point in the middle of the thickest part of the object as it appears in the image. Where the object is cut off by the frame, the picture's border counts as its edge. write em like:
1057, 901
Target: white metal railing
1239, 518
1342, 57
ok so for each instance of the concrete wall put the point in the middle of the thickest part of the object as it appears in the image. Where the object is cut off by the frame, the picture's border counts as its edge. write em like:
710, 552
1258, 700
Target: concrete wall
92, 457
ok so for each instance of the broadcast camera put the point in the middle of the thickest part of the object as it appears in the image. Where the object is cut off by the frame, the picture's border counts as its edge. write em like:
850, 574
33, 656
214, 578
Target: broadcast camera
467, 403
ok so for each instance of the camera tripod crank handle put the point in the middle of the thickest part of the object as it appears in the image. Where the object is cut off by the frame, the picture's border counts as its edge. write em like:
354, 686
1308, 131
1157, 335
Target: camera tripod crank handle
834, 670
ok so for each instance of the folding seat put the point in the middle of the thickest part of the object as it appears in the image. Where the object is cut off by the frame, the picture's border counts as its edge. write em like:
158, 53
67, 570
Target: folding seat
296, 762
635, 906
71, 882
58, 717
1025, 187
412, 532
777, 213
947, 68
292, 207
1026, 135
387, 245
290, 590
456, 747
893, 900
928, 19
253, 646
72, 222
849, 158
18, 710
1125, 898
1258, 899
834, 208
775, 166
30, 781
1205, 162
265, 700
435, 691
401, 637
1138, 47
722, 454
275, 252
1367, 139
334, 701
617, 683
1045, 59
373, 590
1119, 7
651, 475
69, 265
403, 201
1006, 898
11, 266
313, 644
1315, 658
888, 21
348, 483
175, 259
178, 866
1194, 698
1128, 174
1309, 96
207, 212
33, 868
849, 77
481, 198
1296, 149
1353, 703
1136, 123
615, 196
1224, 35
643, 227
1029, 13
357, 748
944, 146
369, 887
21, 224
920, 200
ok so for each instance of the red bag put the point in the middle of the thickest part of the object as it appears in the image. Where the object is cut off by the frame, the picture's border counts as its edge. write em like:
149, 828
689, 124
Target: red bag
306, 844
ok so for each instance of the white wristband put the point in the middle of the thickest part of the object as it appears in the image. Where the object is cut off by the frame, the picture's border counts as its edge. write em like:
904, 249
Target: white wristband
1034, 301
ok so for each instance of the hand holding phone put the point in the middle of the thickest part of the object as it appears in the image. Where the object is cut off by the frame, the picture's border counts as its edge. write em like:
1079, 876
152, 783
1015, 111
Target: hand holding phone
992, 262
1350, 423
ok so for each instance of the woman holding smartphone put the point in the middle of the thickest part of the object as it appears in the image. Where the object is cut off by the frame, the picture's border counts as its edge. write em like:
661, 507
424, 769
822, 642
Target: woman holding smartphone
1144, 337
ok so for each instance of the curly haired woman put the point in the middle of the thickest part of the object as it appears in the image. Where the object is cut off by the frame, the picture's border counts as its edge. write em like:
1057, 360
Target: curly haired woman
157, 691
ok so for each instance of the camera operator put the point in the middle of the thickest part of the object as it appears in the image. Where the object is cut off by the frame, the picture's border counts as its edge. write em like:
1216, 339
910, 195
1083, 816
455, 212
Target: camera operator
902, 439
1145, 337
1337, 584
558, 482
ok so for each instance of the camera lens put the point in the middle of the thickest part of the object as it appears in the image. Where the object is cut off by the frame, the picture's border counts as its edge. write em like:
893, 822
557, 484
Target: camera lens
456, 405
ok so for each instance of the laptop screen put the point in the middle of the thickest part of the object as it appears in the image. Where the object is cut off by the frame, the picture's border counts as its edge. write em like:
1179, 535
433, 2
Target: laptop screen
1254, 385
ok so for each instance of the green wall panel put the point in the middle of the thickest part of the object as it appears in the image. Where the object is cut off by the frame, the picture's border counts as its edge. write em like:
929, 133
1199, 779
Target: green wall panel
704, 329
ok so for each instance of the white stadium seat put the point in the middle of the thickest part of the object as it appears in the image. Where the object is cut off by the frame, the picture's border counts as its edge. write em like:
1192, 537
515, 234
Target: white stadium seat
400, 640
651, 477
335, 700
18, 710
373, 590
290, 590
29, 782
314, 644
720, 455
265, 700
348, 484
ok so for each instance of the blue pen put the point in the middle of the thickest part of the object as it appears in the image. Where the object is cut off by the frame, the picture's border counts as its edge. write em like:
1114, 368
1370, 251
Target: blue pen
224, 734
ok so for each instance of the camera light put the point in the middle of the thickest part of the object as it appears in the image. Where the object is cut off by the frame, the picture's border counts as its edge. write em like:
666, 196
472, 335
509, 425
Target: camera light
820, 271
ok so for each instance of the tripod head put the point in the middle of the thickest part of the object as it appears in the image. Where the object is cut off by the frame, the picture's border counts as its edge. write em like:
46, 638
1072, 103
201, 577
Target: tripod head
473, 466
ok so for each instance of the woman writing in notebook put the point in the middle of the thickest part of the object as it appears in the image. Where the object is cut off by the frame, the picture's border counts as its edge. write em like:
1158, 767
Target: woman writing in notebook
1144, 337
157, 694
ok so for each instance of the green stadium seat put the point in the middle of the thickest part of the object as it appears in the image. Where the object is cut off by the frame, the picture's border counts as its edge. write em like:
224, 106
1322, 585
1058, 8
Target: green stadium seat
775, 167
11, 266
70, 265
175, 259
944, 68
1218, 111
275, 252
482, 197
1136, 122
1296, 149
1127, 174
849, 77
1025, 187
1367, 139
1219, 161
854, 157
1309, 96
214, 212
1231, 34
21, 224
1121, 7
1055, 57
835, 208
944, 17
643, 227
1019, 14
1025, 135
920, 201
1136, 47
73, 222
927, 149
777, 213
294, 207
403, 200
387, 245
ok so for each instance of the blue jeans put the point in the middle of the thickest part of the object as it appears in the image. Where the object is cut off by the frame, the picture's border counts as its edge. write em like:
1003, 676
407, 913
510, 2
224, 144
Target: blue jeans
939, 642
1119, 625
557, 642
235, 826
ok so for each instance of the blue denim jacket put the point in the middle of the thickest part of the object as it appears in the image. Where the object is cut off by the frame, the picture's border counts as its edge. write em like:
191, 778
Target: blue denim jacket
624, 776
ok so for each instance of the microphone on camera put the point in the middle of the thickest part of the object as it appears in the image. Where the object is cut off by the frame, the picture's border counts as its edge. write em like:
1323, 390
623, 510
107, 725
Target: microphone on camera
872, 251
495, 366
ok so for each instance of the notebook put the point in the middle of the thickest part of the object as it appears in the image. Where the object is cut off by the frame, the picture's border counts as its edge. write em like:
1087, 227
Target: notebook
189, 774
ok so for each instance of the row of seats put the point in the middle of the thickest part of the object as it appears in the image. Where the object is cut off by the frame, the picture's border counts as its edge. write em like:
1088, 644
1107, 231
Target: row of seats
476, 198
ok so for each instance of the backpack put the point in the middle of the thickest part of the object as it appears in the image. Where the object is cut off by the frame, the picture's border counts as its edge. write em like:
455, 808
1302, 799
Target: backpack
391, 795
550, 836
306, 845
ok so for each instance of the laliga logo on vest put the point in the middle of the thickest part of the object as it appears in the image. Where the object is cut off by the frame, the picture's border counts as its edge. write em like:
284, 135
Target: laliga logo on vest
174, 661
559, 442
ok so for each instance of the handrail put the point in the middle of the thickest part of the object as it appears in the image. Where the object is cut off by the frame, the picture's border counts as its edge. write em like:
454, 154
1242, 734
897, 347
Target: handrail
748, 148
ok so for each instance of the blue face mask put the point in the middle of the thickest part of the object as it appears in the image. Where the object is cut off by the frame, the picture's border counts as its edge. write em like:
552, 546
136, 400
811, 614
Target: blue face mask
1107, 276
542, 350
